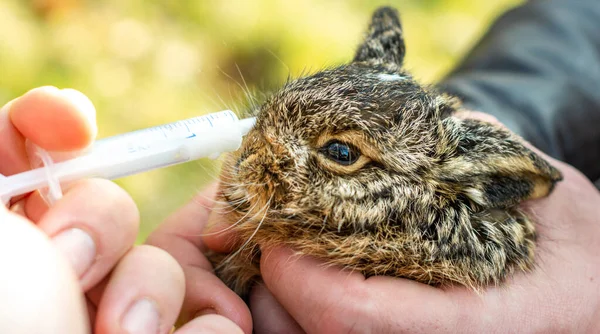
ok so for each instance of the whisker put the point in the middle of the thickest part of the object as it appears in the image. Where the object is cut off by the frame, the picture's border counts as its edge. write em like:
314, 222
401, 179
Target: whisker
281, 61
223, 179
229, 203
249, 95
232, 225
230, 257
222, 105
211, 200
236, 182
210, 173
230, 106
238, 204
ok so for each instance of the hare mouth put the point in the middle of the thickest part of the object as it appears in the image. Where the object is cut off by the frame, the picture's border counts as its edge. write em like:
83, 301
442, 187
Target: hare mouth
242, 195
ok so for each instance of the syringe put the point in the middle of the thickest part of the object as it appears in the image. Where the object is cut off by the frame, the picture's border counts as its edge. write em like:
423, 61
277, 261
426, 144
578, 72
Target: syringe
135, 152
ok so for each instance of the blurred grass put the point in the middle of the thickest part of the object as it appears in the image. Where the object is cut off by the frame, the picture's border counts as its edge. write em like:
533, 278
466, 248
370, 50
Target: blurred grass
144, 62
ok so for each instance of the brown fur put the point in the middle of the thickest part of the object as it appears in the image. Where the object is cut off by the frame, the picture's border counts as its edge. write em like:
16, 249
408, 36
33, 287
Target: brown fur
432, 197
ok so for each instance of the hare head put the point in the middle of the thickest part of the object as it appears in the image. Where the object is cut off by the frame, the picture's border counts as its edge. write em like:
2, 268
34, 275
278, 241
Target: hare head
365, 168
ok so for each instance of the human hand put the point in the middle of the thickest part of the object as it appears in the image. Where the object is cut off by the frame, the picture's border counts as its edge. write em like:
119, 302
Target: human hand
561, 295
181, 236
72, 267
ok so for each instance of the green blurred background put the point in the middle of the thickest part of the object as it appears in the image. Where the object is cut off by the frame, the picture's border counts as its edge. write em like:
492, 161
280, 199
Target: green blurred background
147, 62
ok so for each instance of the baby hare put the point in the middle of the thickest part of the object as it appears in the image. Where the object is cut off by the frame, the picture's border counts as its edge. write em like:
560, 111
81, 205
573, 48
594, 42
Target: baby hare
364, 168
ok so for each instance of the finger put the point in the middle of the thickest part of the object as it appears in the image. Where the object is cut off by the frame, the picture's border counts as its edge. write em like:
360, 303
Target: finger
13, 156
325, 299
207, 294
210, 324
55, 119
39, 291
180, 235
268, 315
144, 294
218, 234
305, 290
34, 206
93, 225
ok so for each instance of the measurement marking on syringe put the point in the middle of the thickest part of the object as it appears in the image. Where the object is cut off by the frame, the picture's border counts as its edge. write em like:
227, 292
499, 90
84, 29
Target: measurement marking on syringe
190, 131
139, 151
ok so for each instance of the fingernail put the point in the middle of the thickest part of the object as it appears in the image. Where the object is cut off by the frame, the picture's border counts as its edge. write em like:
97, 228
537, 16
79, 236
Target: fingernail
78, 247
142, 317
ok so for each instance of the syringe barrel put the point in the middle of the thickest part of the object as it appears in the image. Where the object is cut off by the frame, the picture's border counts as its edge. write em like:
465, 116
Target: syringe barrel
211, 142
183, 129
139, 151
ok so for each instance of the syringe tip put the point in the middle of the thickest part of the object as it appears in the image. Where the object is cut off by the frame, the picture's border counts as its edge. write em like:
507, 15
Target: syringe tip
247, 124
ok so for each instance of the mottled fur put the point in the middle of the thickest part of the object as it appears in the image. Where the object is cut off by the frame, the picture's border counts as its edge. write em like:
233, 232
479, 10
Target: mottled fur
433, 197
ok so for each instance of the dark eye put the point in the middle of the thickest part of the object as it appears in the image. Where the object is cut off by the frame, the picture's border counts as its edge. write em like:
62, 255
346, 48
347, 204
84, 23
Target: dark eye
342, 153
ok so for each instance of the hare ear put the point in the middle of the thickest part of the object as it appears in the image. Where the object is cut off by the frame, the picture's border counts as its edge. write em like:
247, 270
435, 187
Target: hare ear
491, 167
384, 40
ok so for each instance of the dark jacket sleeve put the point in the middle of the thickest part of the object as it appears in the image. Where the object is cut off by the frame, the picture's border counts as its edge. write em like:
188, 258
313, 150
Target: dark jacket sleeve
538, 71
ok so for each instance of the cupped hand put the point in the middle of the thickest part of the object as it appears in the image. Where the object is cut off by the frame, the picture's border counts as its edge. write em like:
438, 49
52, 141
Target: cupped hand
181, 236
73, 267
562, 294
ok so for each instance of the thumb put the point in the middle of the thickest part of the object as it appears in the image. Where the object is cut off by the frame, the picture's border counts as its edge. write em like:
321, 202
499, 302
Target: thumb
39, 292
314, 295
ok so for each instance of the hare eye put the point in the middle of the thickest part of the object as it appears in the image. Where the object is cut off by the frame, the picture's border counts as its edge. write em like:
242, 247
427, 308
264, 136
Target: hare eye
342, 153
